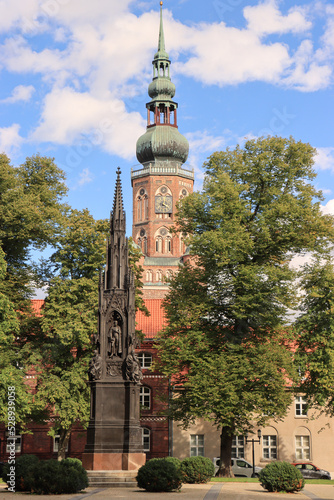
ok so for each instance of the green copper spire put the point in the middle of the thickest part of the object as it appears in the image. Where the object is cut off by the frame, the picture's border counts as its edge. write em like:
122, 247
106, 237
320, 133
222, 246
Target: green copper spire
161, 54
162, 141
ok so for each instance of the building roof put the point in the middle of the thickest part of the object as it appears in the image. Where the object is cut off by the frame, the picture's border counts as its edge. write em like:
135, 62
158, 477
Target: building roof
151, 325
36, 305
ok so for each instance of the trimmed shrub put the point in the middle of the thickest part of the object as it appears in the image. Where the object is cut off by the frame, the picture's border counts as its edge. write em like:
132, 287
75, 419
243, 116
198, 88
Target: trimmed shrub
281, 476
53, 477
175, 461
48, 476
197, 470
24, 472
160, 474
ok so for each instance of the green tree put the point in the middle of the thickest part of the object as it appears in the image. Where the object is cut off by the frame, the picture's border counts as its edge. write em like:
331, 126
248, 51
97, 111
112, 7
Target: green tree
226, 309
315, 330
31, 213
31, 217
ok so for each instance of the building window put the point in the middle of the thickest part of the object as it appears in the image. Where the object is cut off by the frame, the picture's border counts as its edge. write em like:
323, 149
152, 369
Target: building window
302, 447
159, 275
158, 244
169, 275
269, 444
14, 440
145, 398
144, 247
197, 445
238, 447
139, 208
301, 406
168, 244
145, 360
146, 439
56, 443
146, 207
149, 275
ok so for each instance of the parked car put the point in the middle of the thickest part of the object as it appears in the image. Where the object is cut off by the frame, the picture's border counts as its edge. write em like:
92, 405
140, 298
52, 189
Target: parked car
240, 467
311, 471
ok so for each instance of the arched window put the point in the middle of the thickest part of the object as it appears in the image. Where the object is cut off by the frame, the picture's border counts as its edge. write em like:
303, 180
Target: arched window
144, 247
168, 244
169, 274
139, 207
159, 275
145, 398
158, 244
146, 207
149, 275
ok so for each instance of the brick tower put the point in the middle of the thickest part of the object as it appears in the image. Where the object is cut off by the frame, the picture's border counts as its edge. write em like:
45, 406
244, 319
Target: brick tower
161, 181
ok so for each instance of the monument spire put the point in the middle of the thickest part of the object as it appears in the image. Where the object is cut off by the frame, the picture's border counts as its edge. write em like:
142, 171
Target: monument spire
118, 214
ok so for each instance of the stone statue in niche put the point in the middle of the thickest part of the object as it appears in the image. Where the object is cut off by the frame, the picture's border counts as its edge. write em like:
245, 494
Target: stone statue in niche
115, 340
95, 367
132, 368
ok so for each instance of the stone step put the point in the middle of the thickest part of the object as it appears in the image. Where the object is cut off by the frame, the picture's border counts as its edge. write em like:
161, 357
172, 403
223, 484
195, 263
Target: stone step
112, 479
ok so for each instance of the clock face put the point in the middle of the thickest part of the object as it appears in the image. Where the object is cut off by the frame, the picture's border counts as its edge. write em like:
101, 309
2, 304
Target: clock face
163, 204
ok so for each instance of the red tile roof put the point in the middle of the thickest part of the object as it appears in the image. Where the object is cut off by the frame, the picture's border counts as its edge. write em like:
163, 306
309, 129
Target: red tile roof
151, 325
37, 305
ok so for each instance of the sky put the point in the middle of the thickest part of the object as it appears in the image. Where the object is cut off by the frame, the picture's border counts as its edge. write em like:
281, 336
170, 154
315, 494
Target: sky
75, 73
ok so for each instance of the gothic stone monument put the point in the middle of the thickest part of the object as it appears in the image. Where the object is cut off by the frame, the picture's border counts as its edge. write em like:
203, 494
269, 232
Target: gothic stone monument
114, 436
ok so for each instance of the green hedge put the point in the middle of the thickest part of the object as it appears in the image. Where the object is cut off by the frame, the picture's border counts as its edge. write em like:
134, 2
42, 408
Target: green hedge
281, 476
197, 470
160, 474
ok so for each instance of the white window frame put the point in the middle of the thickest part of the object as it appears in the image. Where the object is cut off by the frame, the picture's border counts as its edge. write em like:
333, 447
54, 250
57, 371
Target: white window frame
197, 445
303, 447
238, 447
300, 407
269, 447
18, 442
56, 439
146, 439
145, 397
145, 360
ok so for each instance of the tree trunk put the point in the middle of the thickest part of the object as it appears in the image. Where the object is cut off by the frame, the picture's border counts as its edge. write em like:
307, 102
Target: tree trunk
64, 437
226, 438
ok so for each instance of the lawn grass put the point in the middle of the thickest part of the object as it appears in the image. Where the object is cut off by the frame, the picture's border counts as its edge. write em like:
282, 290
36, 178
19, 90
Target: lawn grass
255, 480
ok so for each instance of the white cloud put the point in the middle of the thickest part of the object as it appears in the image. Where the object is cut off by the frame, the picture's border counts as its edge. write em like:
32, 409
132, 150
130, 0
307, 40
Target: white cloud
10, 139
266, 18
223, 55
307, 72
20, 93
328, 208
69, 116
324, 159
85, 177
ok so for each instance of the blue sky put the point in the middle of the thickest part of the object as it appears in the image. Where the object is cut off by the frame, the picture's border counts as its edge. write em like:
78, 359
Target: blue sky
74, 78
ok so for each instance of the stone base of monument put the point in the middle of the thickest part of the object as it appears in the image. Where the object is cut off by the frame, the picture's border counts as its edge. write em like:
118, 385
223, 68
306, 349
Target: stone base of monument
112, 478
113, 461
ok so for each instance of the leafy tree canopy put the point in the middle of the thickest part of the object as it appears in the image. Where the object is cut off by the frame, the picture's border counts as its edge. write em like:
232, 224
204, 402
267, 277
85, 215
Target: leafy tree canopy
227, 306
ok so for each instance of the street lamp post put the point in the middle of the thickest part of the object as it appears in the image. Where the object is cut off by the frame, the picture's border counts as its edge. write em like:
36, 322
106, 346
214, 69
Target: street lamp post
254, 441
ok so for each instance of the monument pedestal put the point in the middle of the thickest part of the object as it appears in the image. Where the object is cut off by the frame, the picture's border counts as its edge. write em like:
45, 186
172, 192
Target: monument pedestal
113, 461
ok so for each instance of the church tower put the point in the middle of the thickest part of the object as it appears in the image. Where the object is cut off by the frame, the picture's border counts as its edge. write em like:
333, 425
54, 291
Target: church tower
162, 180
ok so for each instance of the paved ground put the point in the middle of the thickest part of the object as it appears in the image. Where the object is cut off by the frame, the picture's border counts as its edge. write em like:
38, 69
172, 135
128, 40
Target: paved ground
210, 491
